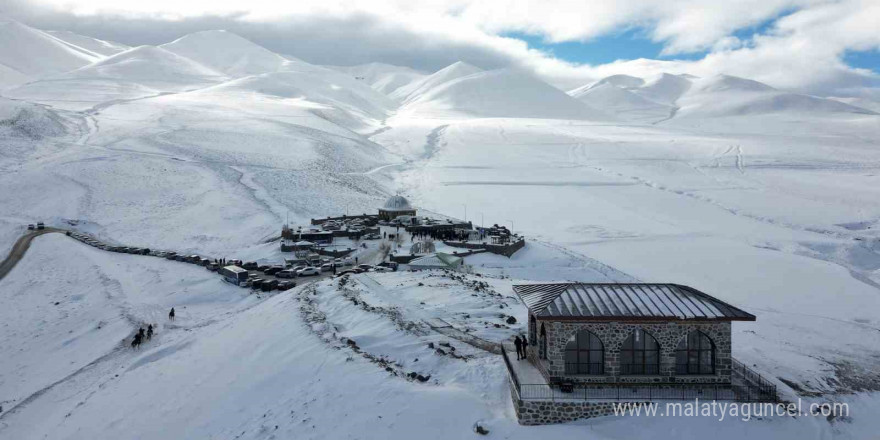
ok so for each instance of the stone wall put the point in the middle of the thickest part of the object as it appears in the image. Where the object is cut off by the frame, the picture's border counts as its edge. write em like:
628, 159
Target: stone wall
613, 334
547, 412
501, 249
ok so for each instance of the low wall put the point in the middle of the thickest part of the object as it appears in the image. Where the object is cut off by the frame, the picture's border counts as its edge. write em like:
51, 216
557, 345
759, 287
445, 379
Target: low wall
547, 412
334, 254
405, 259
501, 249
320, 221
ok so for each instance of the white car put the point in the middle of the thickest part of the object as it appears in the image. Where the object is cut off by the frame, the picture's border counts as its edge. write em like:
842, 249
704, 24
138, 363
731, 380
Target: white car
382, 269
289, 273
308, 271
327, 267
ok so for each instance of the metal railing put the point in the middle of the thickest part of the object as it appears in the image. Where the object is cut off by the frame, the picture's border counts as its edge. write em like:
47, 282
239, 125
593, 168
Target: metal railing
628, 392
510, 372
747, 386
751, 384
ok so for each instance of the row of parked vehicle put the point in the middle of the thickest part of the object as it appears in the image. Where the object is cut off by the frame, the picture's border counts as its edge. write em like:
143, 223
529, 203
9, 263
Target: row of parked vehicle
39, 225
103, 246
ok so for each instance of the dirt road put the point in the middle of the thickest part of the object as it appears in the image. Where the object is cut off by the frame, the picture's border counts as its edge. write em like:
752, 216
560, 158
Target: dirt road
20, 247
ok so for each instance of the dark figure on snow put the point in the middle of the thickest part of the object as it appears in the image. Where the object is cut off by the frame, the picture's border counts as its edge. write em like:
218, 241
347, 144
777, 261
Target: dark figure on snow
171, 314
136, 342
141, 333
519, 348
525, 346
150, 332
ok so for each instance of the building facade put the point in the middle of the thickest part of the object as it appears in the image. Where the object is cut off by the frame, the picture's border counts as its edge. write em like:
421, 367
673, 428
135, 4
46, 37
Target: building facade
629, 333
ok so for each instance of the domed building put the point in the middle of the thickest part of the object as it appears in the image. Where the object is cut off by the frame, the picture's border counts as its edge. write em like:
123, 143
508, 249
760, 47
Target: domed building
395, 207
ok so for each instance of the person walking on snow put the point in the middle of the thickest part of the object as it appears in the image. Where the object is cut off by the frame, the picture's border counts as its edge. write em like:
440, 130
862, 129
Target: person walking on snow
525, 346
150, 332
171, 314
518, 343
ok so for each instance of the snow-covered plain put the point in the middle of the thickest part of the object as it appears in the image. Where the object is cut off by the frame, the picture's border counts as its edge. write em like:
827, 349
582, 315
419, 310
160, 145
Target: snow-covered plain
764, 198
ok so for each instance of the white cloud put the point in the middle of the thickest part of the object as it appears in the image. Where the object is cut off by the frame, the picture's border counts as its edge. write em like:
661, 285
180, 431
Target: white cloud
801, 50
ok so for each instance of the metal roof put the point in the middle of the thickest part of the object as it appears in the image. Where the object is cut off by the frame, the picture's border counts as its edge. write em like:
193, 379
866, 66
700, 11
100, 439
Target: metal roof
584, 301
397, 203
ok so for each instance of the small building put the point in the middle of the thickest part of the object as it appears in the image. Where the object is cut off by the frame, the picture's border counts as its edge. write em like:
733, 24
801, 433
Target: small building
637, 342
396, 206
438, 260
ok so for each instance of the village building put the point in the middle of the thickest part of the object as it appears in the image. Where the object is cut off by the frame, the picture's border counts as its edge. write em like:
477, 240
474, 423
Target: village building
594, 343
396, 206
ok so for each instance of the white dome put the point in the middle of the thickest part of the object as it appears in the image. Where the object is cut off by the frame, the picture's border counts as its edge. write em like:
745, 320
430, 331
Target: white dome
397, 203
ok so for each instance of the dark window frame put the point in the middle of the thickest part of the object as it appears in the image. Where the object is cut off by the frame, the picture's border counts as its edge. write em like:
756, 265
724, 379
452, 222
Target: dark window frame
639, 346
695, 355
589, 352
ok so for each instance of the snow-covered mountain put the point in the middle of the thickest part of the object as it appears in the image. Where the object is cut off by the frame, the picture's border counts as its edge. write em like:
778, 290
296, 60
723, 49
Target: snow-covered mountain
495, 93
227, 53
101, 47
414, 90
385, 78
206, 145
28, 54
670, 96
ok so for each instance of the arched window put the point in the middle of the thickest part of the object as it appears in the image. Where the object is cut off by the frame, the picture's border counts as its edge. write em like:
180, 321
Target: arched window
584, 354
533, 330
640, 354
695, 354
542, 347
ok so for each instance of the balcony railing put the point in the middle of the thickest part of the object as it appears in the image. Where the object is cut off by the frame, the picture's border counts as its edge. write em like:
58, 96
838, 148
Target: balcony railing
747, 386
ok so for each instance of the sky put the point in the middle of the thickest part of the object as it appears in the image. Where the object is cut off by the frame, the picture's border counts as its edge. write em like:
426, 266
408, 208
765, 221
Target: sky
825, 47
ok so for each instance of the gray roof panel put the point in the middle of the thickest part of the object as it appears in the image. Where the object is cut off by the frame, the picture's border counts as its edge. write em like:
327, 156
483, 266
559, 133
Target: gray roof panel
641, 301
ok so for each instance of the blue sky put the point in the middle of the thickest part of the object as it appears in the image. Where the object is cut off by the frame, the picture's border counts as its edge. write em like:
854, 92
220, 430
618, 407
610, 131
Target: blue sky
635, 43
628, 45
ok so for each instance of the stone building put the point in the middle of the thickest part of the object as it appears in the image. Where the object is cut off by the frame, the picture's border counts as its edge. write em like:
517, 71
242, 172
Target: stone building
395, 207
591, 343
633, 333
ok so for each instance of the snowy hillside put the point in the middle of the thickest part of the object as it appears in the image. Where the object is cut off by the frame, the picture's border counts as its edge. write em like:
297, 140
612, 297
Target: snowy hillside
668, 97
19, 62
101, 47
227, 53
495, 94
764, 198
385, 78
417, 88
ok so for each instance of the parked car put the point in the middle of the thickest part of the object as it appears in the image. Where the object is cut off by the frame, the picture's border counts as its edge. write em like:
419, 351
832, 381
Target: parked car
347, 272
263, 267
256, 283
365, 267
269, 285
372, 237
327, 267
180, 258
145, 251
296, 269
250, 265
348, 261
40, 225
382, 269
287, 273
31, 227
273, 270
308, 271
213, 267
286, 285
